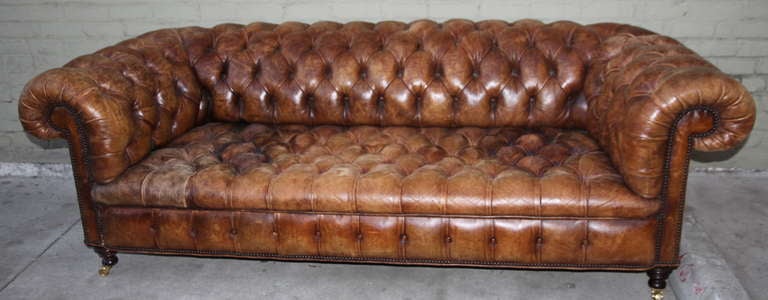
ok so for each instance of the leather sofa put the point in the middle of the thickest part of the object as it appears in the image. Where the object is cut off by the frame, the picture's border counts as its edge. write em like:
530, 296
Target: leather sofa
485, 144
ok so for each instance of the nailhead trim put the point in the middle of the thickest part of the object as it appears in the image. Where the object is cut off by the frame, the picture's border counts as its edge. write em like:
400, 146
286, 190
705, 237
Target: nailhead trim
665, 183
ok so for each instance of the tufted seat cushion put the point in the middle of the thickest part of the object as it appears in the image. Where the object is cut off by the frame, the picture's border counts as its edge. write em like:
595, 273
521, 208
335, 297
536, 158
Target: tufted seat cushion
390, 170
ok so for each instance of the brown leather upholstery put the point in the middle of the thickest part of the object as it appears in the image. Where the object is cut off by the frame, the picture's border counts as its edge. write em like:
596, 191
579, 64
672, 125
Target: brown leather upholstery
459, 143
139, 94
433, 240
391, 170
643, 86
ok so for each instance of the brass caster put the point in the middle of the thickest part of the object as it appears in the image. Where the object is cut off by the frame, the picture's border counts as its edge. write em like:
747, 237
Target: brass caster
657, 294
104, 271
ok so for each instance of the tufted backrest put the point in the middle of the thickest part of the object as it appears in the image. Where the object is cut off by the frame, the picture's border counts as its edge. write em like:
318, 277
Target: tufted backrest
457, 73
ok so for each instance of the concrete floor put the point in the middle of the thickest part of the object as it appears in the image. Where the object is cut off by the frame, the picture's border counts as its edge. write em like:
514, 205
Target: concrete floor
42, 257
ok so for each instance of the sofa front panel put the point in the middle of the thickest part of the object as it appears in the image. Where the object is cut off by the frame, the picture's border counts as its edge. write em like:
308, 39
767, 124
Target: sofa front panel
456, 73
609, 243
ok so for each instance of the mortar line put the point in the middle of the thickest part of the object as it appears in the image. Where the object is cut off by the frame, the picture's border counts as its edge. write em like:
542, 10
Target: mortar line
56, 240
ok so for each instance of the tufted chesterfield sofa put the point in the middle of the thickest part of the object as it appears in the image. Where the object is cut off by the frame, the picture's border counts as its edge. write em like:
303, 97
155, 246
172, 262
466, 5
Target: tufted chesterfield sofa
486, 144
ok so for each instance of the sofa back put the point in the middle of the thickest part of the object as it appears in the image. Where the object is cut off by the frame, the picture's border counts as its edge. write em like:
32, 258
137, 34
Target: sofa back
457, 73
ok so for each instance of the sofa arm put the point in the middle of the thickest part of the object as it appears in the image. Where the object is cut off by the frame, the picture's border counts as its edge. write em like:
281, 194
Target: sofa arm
125, 100
641, 89
105, 119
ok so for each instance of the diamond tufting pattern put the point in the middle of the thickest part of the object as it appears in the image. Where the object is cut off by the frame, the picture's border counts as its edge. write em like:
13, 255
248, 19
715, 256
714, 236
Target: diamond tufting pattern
466, 171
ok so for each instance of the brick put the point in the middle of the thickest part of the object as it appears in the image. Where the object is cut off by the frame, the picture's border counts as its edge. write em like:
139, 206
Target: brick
5, 96
753, 48
554, 11
13, 91
735, 65
241, 12
755, 10
17, 63
504, 10
719, 10
61, 30
689, 29
86, 12
608, 11
13, 46
38, 12
357, 11
19, 29
76, 47
404, 11
9, 117
102, 30
444, 11
762, 66
45, 46
713, 47
753, 83
131, 29
743, 29
45, 62
129, 12
653, 10
176, 12
307, 12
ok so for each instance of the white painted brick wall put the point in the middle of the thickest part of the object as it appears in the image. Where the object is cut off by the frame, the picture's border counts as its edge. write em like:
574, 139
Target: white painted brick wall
36, 35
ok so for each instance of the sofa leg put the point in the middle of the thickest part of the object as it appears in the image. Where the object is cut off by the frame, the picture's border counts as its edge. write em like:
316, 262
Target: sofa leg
657, 280
108, 260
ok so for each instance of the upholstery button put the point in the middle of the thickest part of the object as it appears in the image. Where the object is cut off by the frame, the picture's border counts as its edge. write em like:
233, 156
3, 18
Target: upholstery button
233, 231
552, 72
403, 238
359, 236
193, 233
274, 233
448, 239
493, 240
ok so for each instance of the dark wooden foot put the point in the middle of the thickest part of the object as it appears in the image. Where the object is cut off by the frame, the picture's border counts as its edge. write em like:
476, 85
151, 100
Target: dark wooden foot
657, 280
108, 259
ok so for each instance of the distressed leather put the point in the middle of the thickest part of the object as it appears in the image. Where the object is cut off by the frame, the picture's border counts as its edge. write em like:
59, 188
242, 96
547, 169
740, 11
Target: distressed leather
485, 143
392, 170
139, 94
426, 240
642, 86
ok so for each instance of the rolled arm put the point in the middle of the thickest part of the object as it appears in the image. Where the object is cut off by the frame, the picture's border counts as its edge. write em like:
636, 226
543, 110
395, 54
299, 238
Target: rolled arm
105, 119
126, 99
640, 91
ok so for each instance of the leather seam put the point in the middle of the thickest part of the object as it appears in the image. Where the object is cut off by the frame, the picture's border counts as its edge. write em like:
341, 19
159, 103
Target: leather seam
410, 215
